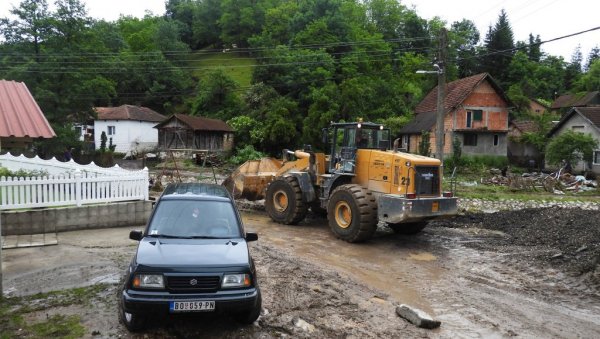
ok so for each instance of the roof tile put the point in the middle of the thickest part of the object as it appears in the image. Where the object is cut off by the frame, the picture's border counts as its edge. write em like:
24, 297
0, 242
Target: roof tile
129, 112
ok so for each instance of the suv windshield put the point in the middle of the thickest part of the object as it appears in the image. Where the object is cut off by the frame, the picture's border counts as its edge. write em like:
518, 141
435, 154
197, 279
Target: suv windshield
194, 219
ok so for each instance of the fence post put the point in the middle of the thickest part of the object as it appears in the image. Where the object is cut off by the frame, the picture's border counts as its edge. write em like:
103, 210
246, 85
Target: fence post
78, 187
146, 183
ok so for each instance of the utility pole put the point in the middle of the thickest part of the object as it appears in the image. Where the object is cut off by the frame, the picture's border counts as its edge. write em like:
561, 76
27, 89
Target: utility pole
441, 93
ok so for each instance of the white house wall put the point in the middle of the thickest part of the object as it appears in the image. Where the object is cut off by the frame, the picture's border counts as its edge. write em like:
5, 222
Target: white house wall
578, 120
130, 135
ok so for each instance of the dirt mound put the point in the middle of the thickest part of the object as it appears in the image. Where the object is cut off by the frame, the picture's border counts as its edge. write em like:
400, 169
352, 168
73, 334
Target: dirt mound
565, 238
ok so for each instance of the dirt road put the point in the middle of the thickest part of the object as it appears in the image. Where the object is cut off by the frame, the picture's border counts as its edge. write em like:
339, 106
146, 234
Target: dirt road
314, 285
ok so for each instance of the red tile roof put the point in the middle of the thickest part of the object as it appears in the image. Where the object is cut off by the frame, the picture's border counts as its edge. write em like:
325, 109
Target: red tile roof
526, 126
20, 115
129, 112
200, 123
456, 92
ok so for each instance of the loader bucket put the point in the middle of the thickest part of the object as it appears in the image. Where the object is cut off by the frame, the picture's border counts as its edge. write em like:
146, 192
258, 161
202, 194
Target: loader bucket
250, 180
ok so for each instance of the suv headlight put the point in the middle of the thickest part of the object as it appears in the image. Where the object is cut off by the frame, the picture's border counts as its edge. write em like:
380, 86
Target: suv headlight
236, 280
148, 281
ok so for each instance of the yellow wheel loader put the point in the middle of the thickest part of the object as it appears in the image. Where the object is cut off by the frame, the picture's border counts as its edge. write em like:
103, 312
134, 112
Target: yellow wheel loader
359, 184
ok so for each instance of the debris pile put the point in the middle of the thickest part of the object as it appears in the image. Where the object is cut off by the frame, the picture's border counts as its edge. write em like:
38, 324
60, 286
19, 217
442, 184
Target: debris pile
556, 183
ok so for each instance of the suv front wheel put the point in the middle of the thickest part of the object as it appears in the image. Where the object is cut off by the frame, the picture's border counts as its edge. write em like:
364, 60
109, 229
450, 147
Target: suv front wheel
133, 322
250, 317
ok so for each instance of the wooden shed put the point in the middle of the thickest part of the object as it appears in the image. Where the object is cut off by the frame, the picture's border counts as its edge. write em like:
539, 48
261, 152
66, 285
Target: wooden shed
181, 131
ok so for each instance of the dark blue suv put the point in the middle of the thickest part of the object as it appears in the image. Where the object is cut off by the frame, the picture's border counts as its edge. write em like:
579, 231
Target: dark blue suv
192, 257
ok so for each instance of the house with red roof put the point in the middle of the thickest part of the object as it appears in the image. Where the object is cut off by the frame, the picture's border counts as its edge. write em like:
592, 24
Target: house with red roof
130, 128
21, 119
186, 132
475, 112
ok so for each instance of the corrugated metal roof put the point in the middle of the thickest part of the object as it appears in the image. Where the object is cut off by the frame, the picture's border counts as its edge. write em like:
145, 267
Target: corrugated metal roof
199, 123
20, 115
129, 112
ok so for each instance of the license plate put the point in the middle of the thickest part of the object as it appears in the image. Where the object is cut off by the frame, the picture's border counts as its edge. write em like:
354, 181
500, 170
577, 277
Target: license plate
435, 206
191, 306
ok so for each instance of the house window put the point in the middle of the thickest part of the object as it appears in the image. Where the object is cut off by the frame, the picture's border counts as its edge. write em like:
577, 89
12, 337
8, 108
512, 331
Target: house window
470, 139
111, 130
474, 115
579, 129
597, 157
496, 139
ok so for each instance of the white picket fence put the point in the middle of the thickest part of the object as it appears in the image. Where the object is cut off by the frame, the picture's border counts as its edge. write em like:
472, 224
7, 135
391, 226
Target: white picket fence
77, 185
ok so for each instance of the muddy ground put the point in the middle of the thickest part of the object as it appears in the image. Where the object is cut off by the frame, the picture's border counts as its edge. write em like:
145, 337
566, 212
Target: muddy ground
530, 273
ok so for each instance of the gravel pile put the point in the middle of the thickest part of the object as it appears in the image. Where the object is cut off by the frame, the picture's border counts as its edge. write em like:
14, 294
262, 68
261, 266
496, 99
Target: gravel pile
568, 238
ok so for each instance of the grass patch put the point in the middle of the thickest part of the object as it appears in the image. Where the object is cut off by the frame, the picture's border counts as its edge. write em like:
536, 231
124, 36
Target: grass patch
236, 66
12, 311
59, 326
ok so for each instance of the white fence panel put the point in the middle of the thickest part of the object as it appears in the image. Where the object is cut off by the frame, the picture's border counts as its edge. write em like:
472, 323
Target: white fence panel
72, 189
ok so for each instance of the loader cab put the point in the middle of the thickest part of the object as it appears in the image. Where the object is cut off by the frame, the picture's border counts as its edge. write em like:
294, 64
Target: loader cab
347, 138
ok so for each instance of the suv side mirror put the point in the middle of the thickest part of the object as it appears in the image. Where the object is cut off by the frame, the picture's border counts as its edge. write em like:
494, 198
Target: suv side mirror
135, 235
251, 236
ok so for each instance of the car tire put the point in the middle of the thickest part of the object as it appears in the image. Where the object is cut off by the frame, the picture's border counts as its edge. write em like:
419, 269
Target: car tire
408, 228
133, 322
250, 317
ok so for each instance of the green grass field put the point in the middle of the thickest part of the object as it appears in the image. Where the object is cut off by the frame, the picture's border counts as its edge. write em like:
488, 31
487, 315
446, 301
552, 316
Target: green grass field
237, 66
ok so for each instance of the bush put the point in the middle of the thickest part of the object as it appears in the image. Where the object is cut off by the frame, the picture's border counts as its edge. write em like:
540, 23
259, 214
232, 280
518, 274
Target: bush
245, 154
5, 172
475, 163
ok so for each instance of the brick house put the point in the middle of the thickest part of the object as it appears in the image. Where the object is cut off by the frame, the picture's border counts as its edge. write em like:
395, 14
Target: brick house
475, 112
538, 108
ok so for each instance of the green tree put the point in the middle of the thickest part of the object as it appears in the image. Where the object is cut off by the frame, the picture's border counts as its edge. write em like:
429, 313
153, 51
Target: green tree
31, 26
205, 26
534, 51
572, 147
590, 81
217, 97
539, 138
498, 53
573, 69
593, 56
463, 38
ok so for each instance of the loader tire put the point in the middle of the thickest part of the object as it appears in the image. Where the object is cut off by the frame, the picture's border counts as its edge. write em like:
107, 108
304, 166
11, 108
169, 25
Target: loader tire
284, 201
352, 213
408, 228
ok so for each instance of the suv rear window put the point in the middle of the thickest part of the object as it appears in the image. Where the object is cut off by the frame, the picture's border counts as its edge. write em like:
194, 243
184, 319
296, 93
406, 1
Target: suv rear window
195, 218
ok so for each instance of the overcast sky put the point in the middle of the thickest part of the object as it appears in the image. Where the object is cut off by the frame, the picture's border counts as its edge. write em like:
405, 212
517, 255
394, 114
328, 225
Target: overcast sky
548, 18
